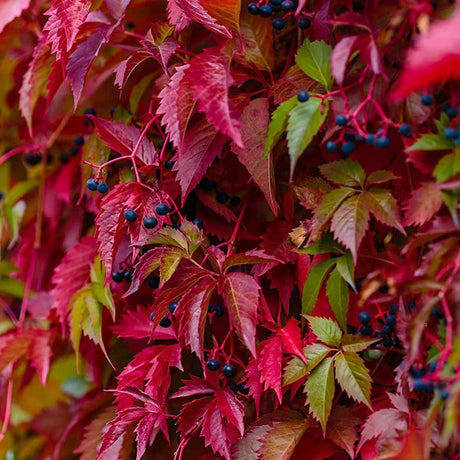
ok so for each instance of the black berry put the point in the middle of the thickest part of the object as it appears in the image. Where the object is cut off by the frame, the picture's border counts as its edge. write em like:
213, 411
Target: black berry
153, 282
331, 146
213, 364
347, 148
287, 5
150, 222
427, 99
387, 329
33, 159
265, 11
221, 197
64, 158
365, 330
198, 222
128, 276
388, 343
165, 322
229, 370
235, 201
304, 23
405, 130
91, 184
364, 317
382, 142
217, 309
278, 23
117, 276
253, 8
102, 187
80, 141
303, 96
162, 209
340, 120
391, 320
172, 307
169, 164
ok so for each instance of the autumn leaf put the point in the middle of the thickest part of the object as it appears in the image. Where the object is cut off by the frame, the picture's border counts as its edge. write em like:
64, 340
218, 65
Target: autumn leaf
11, 9
314, 59
325, 330
423, 204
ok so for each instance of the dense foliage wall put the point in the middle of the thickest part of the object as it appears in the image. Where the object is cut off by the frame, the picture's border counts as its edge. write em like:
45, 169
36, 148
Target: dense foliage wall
229, 229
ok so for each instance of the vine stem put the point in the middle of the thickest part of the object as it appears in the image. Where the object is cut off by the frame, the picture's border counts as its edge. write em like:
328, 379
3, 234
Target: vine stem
231, 241
9, 400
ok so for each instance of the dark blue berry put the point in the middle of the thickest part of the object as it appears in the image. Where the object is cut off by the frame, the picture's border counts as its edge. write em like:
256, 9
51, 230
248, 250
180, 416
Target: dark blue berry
365, 330
90, 111
364, 317
153, 282
165, 322
379, 335
80, 141
303, 96
331, 146
359, 139
391, 320
169, 164
411, 305
349, 136
243, 389
74, 151
278, 23
422, 386
417, 373
229, 370
427, 99
450, 133
213, 364
347, 148
150, 222
265, 11
387, 329
437, 313
287, 5
198, 222
128, 276
233, 386
172, 306
432, 366
1, 196
152, 316
221, 197
64, 158
117, 276
162, 209
217, 309
340, 120
102, 187
394, 309
304, 23
370, 139
388, 343
91, 184
33, 159
235, 201
405, 130
276, 2
253, 9
444, 394
208, 184
130, 215
451, 112
382, 142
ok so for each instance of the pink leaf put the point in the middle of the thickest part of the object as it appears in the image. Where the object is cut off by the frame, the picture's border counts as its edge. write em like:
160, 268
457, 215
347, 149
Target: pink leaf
163, 51
117, 7
435, 58
339, 57
71, 274
423, 204
177, 16
11, 9
270, 365
255, 120
40, 352
241, 296
209, 73
127, 67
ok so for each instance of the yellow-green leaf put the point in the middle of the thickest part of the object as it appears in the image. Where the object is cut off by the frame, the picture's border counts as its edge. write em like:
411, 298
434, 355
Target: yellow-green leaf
313, 284
326, 330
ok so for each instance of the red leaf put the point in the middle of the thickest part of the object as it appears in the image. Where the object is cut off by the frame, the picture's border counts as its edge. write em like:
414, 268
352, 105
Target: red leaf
71, 274
241, 296
123, 139
270, 364
163, 51
117, 7
435, 58
292, 340
11, 9
255, 387
40, 352
255, 120
184, 11
127, 67
200, 146
176, 105
34, 81
209, 73
192, 387
254, 256
81, 59
423, 204
65, 19
192, 311
111, 224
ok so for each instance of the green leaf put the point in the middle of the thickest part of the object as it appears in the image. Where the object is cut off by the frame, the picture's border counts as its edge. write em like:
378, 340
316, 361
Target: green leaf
169, 262
326, 329
326, 245
19, 190
448, 166
278, 123
305, 120
295, 370
353, 376
349, 223
380, 177
344, 172
337, 293
383, 206
346, 269
314, 59
450, 199
104, 295
313, 284
6, 267
12, 287
328, 206
356, 343
320, 391
77, 306
315, 353
432, 142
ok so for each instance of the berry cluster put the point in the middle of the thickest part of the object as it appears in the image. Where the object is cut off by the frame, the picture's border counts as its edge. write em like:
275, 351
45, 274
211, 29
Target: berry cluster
221, 197
285, 7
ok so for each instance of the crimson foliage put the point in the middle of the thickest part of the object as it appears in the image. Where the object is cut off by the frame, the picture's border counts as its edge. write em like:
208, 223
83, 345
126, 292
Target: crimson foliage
229, 229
